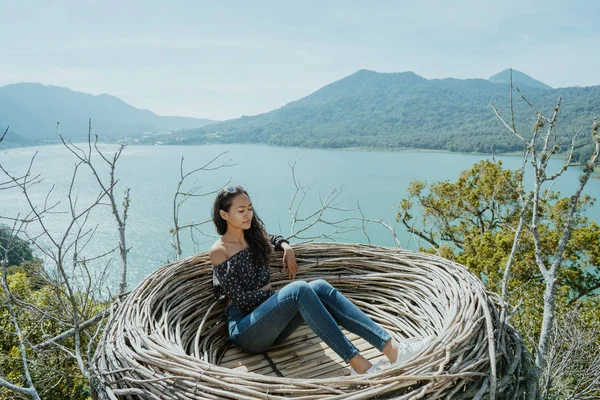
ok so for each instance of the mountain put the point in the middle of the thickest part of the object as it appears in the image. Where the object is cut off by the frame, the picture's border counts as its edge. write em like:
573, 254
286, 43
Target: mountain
519, 79
402, 110
366, 109
13, 139
32, 111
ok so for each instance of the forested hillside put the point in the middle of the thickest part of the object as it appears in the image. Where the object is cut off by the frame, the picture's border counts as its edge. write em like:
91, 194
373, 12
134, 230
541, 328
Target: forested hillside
403, 110
366, 109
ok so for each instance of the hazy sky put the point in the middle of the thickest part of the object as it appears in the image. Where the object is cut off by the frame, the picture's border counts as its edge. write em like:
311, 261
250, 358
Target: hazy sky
224, 59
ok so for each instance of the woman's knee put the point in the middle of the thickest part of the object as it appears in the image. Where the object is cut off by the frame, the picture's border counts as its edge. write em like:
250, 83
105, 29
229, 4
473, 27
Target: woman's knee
299, 291
298, 286
321, 287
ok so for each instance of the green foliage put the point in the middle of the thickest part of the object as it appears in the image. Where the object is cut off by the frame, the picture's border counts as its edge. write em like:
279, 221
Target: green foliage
473, 221
478, 202
13, 247
41, 310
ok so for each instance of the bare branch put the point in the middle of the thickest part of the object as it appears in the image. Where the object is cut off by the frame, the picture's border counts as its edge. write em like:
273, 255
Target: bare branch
30, 390
108, 190
514, 132
573, 353
211, 165
512, 111
72, 283
328, 204
4, 134
548, 147
429, 238
69, 333
387, 226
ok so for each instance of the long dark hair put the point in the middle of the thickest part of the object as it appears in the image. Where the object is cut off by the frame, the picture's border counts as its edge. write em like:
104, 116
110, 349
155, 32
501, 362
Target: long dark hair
256, 235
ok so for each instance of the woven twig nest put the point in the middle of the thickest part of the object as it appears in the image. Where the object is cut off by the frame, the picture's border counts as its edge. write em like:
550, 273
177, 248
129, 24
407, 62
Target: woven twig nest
168, 338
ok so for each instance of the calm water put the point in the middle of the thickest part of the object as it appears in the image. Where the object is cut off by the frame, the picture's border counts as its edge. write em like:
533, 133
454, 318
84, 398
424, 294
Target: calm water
375, 180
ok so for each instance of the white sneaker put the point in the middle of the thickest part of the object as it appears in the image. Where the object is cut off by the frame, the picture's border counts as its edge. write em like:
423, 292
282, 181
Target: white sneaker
409, 347
378, 366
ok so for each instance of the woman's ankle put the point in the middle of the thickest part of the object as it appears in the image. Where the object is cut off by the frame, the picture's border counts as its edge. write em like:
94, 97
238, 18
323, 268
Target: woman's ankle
360, 364
390, 350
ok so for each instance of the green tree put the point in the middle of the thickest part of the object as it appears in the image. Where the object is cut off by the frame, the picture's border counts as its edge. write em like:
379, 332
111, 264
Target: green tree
13, 247
473, 221
40, 314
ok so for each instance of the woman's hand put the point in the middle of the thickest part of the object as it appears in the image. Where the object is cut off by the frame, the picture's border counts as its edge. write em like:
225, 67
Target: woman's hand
289, 261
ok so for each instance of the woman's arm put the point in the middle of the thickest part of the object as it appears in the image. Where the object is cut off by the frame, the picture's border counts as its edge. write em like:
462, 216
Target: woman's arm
277, 241
217, 254
289, 261
289, 258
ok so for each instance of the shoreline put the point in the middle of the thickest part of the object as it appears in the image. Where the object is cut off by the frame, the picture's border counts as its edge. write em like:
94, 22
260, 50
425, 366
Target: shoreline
348, 149
360, 149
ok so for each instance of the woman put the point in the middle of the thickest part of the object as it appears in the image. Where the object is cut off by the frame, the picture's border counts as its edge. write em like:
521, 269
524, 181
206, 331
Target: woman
259, 317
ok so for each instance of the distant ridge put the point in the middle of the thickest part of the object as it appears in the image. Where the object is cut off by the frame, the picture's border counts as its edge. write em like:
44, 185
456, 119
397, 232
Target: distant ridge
32, 110
519, 79
368, 109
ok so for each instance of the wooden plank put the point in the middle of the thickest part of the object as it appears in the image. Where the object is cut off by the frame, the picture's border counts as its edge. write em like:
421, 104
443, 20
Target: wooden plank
302, 355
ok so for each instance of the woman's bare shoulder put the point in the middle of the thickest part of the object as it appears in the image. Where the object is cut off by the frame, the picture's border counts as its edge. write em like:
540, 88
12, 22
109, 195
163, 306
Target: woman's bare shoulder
217, 253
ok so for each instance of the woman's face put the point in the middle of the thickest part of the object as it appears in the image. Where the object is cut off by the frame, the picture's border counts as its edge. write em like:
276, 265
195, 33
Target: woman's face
240, 213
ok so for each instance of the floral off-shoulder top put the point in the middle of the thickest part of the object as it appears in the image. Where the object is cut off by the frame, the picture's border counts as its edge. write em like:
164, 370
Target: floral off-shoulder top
239, 278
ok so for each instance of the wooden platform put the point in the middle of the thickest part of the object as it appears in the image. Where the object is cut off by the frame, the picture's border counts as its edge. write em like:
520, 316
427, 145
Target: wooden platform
302, 355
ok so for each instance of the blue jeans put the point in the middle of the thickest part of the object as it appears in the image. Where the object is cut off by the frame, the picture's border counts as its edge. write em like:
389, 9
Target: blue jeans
319, 304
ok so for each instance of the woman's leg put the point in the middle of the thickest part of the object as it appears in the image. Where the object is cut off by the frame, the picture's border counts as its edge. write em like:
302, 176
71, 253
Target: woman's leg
291, 327
374, 334
349, 315
257, 331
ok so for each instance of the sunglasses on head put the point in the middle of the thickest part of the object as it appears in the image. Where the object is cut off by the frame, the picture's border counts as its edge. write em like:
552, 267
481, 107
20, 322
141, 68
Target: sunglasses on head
234, 188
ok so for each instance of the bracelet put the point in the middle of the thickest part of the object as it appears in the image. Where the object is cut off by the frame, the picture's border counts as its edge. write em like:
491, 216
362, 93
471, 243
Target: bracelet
278, 241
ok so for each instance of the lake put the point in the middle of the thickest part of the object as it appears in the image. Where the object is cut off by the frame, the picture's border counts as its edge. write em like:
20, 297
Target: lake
376, 180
